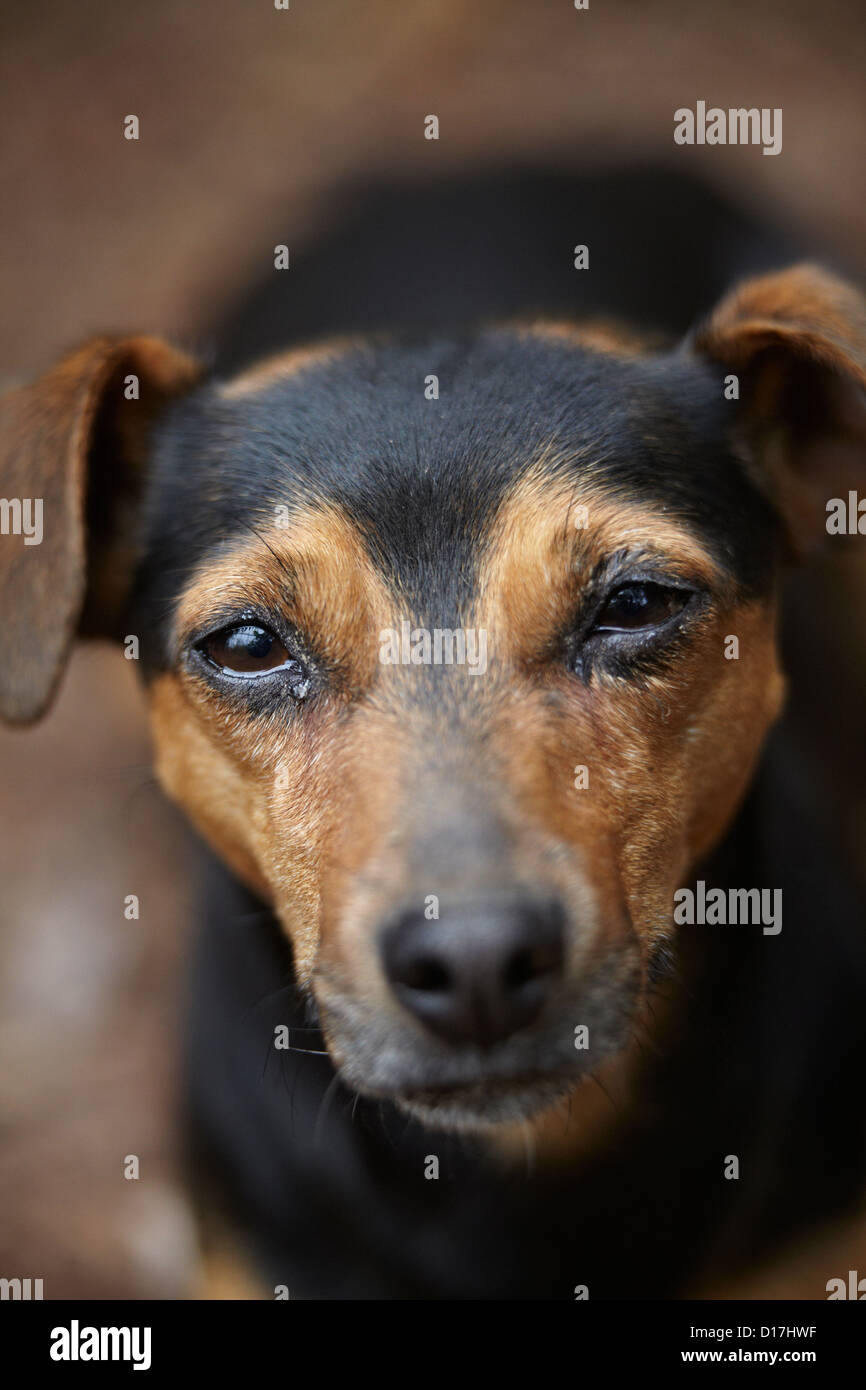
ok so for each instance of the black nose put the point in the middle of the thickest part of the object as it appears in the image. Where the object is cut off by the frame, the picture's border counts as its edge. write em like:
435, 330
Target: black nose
479, 973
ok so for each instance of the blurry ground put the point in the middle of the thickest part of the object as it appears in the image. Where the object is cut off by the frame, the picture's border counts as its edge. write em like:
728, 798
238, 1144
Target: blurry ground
246, 113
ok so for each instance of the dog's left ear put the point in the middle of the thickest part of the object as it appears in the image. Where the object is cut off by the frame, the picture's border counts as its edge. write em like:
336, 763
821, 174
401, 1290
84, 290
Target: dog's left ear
796, 342
73, 450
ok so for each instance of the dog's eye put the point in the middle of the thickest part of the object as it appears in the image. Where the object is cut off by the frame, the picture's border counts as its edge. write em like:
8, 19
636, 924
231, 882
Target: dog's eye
246, 650
637, 606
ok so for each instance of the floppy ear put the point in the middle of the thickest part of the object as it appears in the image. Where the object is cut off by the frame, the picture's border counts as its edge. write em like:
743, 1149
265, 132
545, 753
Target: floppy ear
796, 340
73, 449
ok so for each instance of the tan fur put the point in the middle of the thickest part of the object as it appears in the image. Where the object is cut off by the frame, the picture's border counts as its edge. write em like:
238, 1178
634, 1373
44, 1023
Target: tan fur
281, 367
597, 335
270, 799
804, 1269
225, 1271
667, 765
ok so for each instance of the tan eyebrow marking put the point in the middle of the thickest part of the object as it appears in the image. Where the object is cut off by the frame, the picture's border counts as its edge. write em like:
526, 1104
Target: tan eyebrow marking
315, 572
284, 365
549, 528
597, 334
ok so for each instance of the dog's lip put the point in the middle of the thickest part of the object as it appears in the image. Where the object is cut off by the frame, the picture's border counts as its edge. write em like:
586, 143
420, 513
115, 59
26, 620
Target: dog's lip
491, 1102
490, 1083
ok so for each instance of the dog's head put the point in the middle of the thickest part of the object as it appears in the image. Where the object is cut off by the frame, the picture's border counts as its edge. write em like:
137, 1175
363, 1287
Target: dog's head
460, 652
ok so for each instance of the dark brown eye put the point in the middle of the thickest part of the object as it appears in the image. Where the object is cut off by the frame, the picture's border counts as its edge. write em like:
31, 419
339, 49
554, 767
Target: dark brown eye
637, 606
245, 650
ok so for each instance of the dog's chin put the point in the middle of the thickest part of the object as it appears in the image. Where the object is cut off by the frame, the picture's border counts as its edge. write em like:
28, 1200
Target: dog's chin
485, 1105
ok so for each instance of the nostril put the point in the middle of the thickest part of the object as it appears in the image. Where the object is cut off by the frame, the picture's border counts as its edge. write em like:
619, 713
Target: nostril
519, 970
429, 976
530, 964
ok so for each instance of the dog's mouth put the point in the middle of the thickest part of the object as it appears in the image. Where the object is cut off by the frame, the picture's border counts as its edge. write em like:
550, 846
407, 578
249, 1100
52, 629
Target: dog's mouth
474, 1092
488, 1102
471, 1104
474, 1087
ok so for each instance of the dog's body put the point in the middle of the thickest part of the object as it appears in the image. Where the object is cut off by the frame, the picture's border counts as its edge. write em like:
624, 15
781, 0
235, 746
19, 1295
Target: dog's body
475, 861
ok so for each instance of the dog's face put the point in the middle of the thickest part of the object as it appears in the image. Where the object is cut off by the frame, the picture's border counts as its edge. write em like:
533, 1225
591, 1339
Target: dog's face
464, 686
474, 858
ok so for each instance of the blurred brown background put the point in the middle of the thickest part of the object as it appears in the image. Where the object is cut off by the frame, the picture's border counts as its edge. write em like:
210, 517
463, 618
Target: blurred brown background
246, 110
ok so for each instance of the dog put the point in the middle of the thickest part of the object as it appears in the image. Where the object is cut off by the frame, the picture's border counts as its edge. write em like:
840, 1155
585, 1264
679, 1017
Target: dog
460, 650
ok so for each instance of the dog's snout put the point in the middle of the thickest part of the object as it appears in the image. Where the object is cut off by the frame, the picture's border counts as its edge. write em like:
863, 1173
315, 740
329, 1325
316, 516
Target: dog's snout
480, 972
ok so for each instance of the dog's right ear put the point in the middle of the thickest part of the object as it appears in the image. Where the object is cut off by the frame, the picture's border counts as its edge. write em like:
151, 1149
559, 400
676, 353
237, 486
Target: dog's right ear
73, 453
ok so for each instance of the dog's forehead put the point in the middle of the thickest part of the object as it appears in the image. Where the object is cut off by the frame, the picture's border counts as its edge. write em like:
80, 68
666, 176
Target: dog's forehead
419, 443
464, 414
